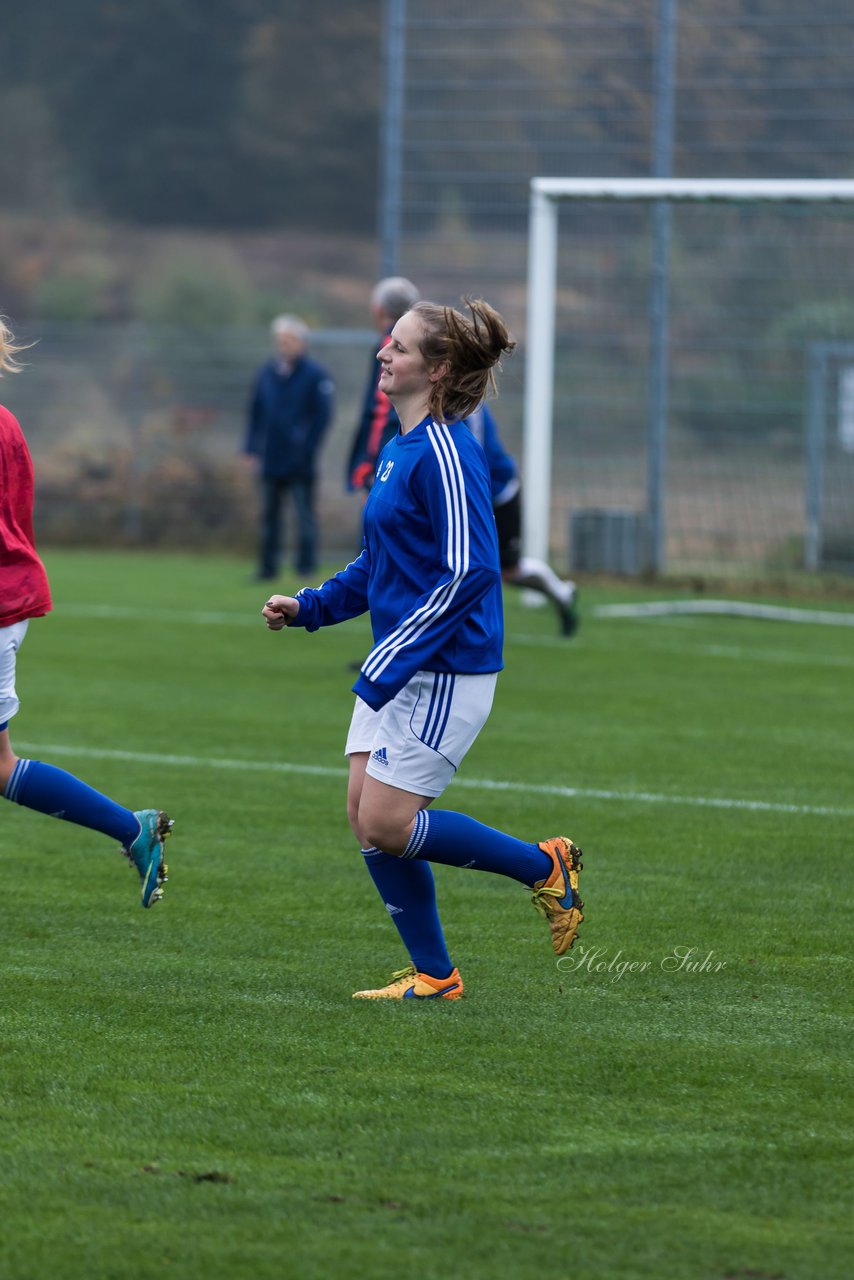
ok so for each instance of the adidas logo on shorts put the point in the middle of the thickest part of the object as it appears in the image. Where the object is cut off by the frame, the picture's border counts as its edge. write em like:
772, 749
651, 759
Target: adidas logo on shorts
380, 755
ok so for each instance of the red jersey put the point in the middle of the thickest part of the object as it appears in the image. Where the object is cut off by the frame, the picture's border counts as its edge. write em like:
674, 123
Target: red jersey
24, 588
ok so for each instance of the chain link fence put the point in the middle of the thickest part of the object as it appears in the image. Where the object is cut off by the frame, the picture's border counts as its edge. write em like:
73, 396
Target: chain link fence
137, 433
136, 428
489, 99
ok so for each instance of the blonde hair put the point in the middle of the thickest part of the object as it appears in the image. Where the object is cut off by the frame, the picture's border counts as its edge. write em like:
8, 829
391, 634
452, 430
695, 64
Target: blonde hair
471, 346
8, 350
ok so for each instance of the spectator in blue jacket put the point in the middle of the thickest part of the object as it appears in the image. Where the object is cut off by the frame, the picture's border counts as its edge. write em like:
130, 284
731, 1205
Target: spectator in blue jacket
289, 412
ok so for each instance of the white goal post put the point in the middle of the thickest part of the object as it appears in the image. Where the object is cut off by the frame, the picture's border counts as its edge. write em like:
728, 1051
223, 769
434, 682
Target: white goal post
545, 195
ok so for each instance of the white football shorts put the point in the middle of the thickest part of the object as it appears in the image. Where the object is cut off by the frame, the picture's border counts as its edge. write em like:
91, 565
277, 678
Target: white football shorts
417, 740
11, 639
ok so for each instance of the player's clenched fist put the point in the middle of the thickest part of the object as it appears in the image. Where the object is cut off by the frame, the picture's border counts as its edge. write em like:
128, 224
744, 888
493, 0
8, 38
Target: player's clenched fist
280, 611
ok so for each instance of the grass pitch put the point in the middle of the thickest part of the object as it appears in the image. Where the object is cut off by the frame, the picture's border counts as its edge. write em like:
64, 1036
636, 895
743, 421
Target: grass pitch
191, 1092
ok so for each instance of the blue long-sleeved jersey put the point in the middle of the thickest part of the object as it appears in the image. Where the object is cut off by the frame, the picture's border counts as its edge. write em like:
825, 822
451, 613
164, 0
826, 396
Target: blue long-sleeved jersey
503, 472
428, 572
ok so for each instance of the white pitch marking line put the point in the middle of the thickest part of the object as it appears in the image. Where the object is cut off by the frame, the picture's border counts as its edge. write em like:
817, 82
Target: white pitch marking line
664, 611
646, 609
193, 617
472, 784
726, 608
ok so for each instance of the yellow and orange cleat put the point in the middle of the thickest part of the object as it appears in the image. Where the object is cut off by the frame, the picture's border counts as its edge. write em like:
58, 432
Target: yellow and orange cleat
408, 984
556, 897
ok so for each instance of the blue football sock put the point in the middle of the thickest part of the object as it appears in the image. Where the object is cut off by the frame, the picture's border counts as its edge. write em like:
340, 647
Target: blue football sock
409, 893
49, 790
460, 841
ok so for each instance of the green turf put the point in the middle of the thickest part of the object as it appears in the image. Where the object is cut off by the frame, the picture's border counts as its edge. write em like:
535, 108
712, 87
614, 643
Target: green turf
191, 1092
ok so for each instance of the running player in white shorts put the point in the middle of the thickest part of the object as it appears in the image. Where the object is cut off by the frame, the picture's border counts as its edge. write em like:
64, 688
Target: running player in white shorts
429, 576
25, 594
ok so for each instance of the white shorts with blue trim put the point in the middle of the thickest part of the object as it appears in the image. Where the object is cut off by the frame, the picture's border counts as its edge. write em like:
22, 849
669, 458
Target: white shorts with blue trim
11, 639
417, 740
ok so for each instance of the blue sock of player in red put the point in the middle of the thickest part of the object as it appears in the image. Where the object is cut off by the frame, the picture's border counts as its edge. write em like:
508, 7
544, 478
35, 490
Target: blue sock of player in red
460, 841
409, 893
49, 790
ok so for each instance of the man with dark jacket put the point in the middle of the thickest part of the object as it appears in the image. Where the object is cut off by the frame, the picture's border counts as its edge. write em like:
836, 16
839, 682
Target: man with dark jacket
390, 299
289, 412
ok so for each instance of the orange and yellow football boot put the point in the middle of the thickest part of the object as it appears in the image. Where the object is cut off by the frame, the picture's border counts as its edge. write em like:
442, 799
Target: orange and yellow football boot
408, 984
556, 897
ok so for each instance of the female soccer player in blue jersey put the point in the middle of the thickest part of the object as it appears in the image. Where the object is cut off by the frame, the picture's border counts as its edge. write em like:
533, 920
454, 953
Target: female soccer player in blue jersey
429, 576
518, 570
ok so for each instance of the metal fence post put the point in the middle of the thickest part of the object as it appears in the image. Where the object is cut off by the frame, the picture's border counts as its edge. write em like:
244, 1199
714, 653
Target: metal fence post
391, 134
662, 165
817, 353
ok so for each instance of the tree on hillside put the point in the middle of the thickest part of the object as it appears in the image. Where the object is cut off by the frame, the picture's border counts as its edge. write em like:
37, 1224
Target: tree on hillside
222, 113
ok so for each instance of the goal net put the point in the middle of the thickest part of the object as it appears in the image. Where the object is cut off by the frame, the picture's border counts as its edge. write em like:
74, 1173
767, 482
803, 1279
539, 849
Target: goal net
689, 371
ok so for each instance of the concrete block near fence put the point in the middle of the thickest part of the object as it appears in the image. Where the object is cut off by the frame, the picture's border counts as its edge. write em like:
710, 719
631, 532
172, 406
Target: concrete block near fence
609, 540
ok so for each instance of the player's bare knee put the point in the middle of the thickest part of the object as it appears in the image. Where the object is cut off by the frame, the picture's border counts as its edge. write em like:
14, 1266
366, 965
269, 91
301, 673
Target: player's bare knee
390, 836
8, 760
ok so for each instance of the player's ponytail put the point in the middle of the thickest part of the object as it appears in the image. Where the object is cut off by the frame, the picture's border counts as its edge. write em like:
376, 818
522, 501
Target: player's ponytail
8, 350
471, 347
